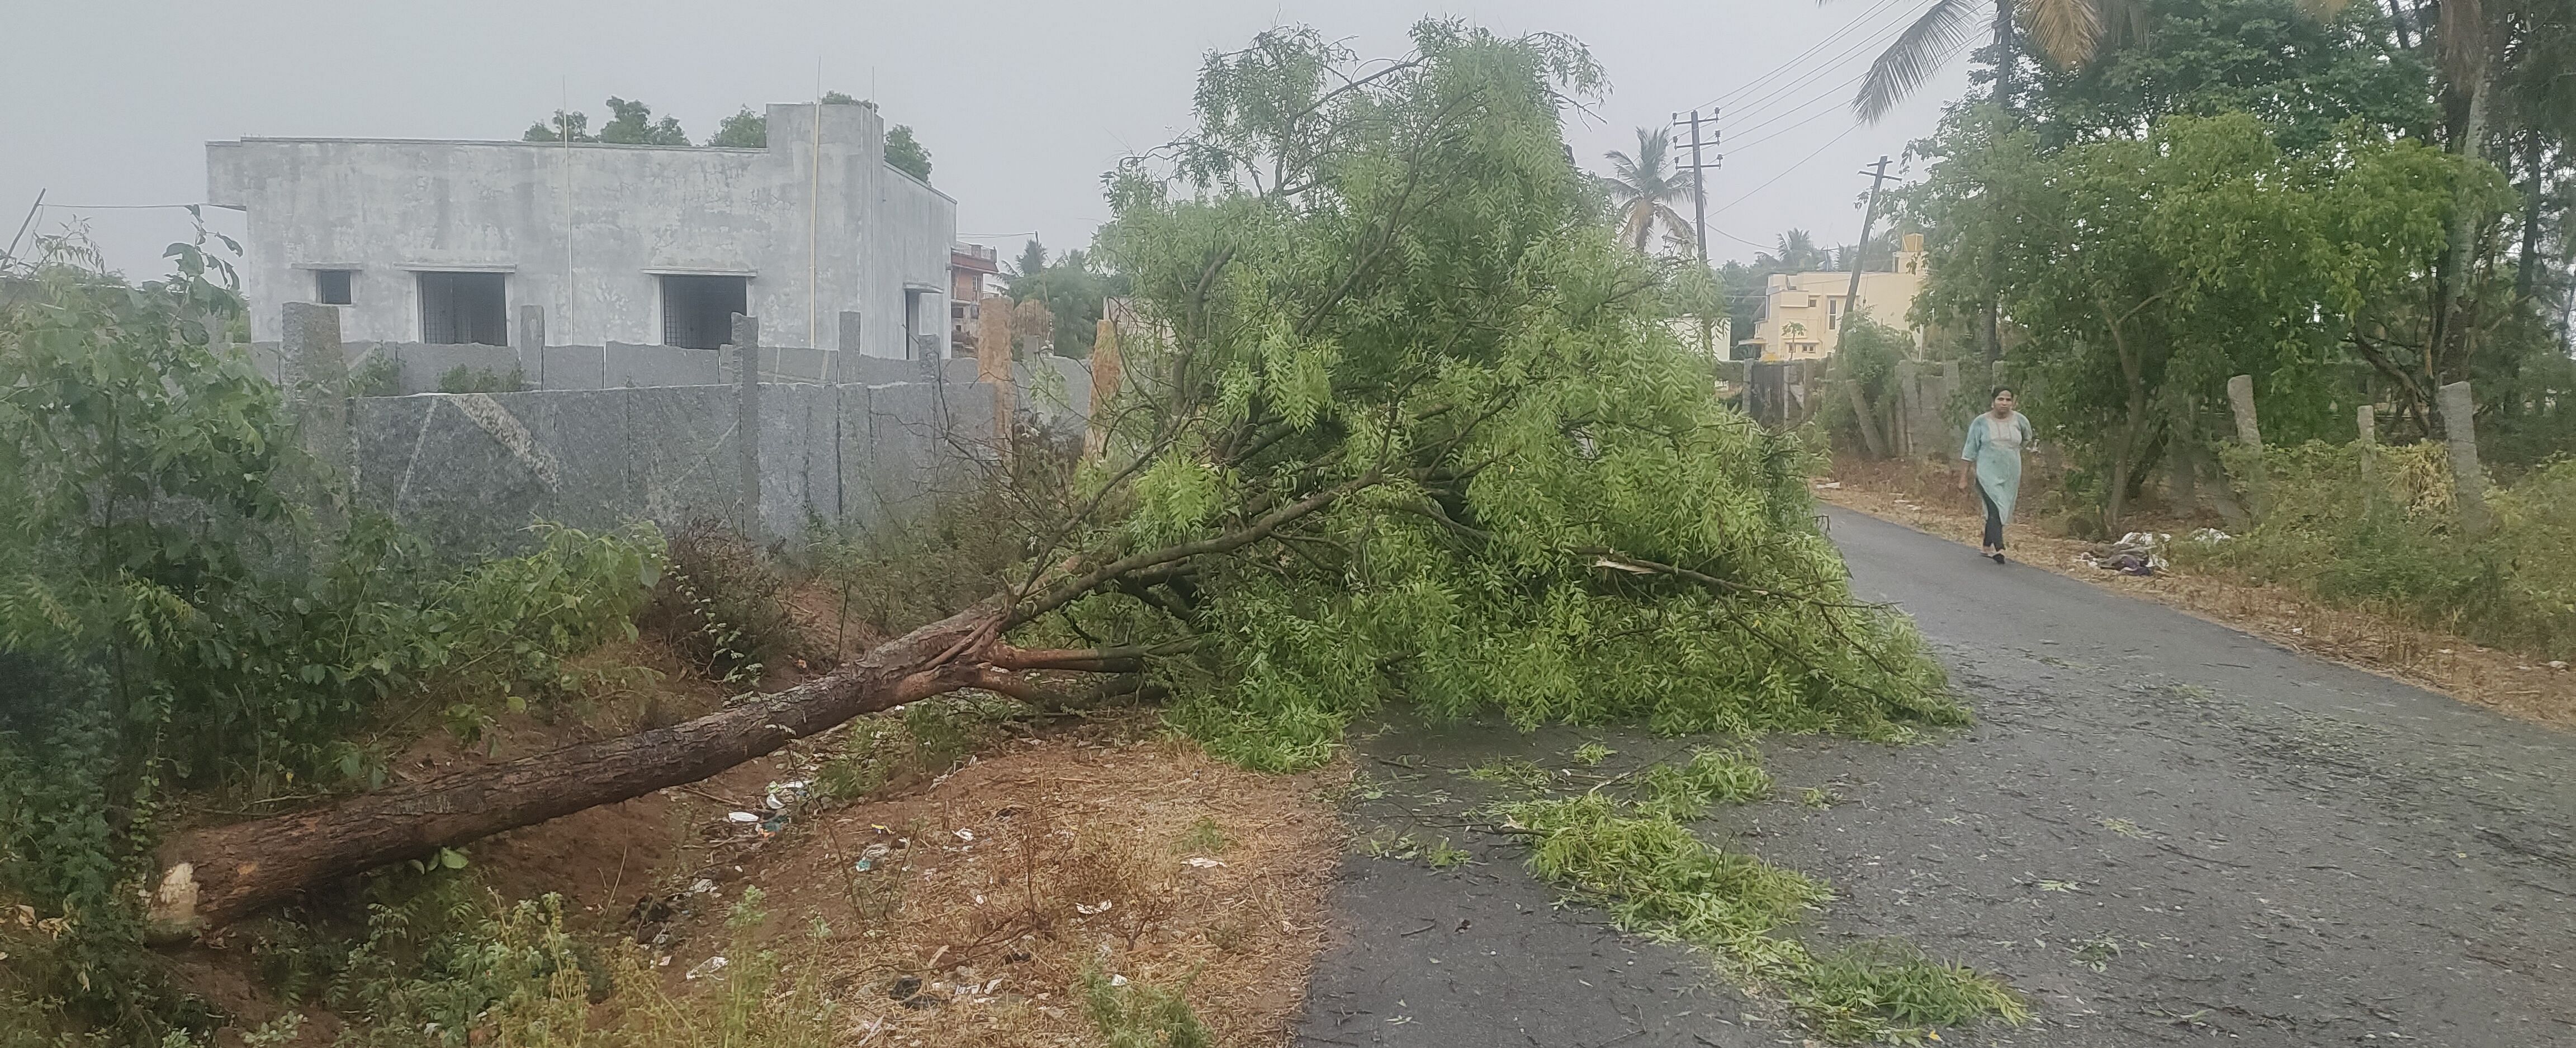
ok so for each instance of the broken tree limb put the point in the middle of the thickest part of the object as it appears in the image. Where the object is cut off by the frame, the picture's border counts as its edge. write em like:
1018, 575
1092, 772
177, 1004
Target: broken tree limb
214, 875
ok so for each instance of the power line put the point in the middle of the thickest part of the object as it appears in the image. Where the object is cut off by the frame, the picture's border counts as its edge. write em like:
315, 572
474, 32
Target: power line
1799, 111
1828, 67
1784, 173
1801, 56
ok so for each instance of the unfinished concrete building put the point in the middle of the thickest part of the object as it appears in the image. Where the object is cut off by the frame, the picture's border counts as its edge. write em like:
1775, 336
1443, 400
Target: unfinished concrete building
445, 242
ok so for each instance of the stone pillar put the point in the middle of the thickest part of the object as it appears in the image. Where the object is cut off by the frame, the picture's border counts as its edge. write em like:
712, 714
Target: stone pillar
532, 339
318, 387
744, 350
2240, 396
2469, 481
845, 340
993, 339
1105, 373
993, 363
2249, 432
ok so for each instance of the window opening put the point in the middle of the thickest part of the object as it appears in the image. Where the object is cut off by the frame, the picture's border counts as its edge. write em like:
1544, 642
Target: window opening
331, 286
461, 308
697, 312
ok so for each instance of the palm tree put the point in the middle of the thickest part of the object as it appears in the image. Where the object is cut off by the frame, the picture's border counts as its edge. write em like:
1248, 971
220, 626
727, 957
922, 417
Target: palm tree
1644, 189
1794, 252
2067, 33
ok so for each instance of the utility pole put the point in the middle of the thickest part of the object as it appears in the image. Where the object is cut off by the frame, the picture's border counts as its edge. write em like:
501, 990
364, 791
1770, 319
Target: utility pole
1860, 251
1699, 182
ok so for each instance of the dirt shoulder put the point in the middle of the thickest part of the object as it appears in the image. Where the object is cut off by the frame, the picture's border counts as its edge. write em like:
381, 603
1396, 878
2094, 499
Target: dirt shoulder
2500, 680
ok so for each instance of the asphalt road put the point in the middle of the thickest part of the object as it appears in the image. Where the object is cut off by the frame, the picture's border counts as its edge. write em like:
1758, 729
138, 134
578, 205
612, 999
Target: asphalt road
2162, 830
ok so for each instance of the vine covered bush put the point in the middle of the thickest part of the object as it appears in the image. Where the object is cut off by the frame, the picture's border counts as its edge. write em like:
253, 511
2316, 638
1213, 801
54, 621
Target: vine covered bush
177, 618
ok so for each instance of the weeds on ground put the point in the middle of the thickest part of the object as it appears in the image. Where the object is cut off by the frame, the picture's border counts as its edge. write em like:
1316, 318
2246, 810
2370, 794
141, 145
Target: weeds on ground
2380, 527
1591, 754
1131, 1014
922, 740
721, 605
1657, 879
1203, 836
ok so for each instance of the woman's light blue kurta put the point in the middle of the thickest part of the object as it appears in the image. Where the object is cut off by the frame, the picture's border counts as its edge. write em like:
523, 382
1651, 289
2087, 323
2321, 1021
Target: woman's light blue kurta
1998, 466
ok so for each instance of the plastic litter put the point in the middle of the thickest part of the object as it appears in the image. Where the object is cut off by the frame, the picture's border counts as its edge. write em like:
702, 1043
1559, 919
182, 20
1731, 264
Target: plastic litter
1087, 909
710, 966
1203, 862
741, 816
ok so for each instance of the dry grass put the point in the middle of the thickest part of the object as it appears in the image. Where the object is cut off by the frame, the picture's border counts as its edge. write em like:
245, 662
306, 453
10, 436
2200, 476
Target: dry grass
2508, 683
987, 888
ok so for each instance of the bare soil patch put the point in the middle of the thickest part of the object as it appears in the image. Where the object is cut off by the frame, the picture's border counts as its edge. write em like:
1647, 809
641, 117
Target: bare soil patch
987, 895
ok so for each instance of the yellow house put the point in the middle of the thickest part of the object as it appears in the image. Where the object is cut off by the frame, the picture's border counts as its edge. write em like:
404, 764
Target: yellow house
1802, 313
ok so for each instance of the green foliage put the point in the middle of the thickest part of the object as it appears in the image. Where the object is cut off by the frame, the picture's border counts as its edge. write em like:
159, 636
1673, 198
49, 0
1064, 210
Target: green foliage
631, 123
2379, 528
1074, 289
1712, 777
905, 153
170, 619
380, 376
721, 605
1866, 353
1135, 1015
463, 379
563, 126
743, 130
1429, 397
2144, 272
2306, 78
1656, 878
922, 740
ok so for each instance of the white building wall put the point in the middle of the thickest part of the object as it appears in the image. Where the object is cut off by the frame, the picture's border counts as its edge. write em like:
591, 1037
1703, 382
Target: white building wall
585, 230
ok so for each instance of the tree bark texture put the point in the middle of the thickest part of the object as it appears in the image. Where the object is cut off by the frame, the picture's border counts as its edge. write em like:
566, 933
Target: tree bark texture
216, 874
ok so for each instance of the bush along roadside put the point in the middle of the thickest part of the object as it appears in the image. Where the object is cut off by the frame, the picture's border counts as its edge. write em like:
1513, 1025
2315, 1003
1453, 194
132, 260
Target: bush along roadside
2380, 528
1623, 846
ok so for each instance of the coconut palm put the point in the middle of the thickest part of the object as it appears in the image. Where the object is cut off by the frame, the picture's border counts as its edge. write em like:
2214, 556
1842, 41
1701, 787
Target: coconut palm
2066, 33
1794, 252
1644, 189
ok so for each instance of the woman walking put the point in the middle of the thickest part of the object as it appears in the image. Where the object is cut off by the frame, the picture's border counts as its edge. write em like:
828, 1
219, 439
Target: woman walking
1993, 456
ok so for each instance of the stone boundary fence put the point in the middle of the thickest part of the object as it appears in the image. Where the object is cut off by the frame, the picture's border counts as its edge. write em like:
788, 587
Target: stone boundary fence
605, 436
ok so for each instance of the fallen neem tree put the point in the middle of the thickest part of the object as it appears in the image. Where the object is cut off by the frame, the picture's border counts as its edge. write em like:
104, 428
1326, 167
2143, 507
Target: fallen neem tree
1400, 424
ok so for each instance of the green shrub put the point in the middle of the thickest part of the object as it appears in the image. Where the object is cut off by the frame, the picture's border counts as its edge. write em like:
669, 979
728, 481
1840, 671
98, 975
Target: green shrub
2379, 528
722, 604
1134, 1015
190, 603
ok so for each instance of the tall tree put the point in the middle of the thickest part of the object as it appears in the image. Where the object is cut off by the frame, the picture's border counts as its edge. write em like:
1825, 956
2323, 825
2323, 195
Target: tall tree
2065, 33
1403, 430
906, 154
562, 127
1644, 189
743, 130
632, 124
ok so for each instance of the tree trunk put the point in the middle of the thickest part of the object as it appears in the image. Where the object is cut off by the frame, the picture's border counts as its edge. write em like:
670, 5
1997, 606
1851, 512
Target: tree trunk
2450, 347
2182, 467
1861, 414
2007, 52
2526, 275
213, 875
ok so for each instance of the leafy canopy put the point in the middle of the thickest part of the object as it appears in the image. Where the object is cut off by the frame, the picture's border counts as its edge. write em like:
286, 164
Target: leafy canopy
1401, 424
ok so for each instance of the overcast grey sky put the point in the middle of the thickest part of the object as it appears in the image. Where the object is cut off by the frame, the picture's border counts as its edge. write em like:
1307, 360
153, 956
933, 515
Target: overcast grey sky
1022, 105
